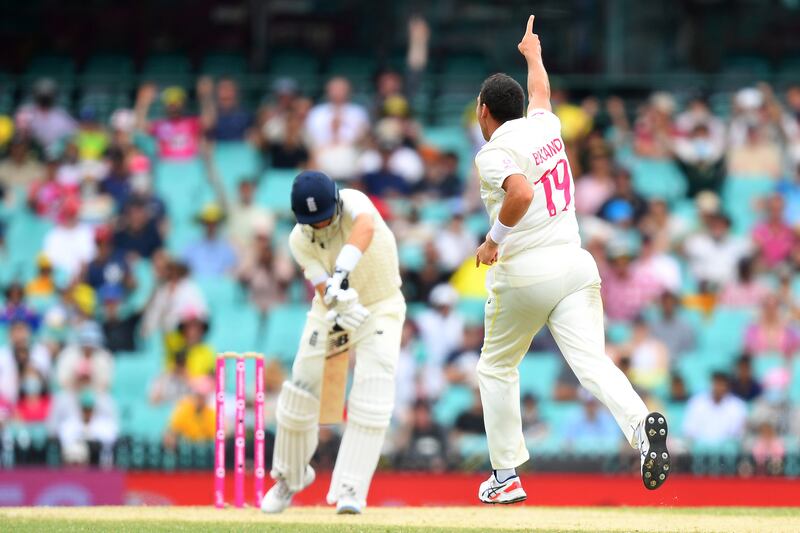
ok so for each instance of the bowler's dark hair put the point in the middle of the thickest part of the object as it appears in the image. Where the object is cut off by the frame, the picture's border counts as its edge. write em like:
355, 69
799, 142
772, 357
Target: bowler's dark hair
503, 96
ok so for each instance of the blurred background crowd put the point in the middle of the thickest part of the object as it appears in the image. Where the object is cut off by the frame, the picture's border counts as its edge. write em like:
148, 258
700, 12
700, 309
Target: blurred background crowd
143, 224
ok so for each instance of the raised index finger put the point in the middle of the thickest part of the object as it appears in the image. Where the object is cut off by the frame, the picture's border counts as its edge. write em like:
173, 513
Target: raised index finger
529, 29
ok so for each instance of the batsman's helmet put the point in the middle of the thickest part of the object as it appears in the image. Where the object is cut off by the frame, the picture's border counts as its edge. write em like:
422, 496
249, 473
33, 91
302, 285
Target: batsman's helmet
314, 197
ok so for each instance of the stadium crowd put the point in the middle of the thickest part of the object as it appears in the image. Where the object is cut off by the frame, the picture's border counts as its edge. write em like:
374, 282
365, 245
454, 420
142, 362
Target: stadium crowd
691, 214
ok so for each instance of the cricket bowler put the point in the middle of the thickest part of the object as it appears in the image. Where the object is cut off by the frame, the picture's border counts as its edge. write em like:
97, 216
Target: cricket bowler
349, 254
541, 275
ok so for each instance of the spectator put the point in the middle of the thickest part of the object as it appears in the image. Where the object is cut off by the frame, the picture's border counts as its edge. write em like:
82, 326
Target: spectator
290, 151
188, 341
193, 419
42, 285
441, 178
470, 421
626, 288
117, 182
746, 291
594, 189
91, 138
20, 354
246, 217
789, 189
33, 405
46, 197
119, 329
442, 331
173, 384
178, 136
223, 119
700, 155
717, 416
743, 384
334, 128
665, 228
90, 428
393, 153
534, 427
174, 296
212, 255
670, 328
649, 357
772, 332
592, 423
20, 169
677, 389
460, 364
138, 235
49, 123
109, 267
423, 446
659, 264
757, 157
774, 404
773, 238
384, 181
86, 356
455, 243
768, 449
15, 308
654, 129
273, 118
623, 190
714, 253
70, 244
265, 273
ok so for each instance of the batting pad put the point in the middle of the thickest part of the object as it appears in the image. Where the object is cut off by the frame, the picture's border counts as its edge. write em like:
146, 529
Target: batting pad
369, 411
297, 434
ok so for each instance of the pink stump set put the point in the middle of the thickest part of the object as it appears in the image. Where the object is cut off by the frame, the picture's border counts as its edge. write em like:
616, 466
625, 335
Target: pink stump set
239, 430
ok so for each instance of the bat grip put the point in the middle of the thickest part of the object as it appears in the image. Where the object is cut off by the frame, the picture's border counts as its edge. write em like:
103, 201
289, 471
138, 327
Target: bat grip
345, 285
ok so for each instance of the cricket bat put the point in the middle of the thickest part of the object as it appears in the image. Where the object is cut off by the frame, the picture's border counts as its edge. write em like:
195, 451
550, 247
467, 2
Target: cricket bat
334, 374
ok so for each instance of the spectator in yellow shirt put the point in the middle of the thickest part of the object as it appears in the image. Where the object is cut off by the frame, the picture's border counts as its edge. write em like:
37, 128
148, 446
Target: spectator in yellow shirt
187, 341
193, 418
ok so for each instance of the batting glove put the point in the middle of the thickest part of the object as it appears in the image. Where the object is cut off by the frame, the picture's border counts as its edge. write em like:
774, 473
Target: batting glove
333, 287
350, 320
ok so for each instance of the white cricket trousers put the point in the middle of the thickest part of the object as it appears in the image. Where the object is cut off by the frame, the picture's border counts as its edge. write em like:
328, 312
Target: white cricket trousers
558, 286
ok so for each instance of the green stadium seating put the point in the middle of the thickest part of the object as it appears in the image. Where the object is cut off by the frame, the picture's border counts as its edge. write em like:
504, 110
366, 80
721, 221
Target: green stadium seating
115, 65
764, 363
274, 190
411, 256
538, 373
794, 385
224, 64
60, 68
472, 309
695, 368
658, 179
739, 197
724, 332
183, 186
235, 161
454, 400
675, 413
359, 69
558, 413
284, 329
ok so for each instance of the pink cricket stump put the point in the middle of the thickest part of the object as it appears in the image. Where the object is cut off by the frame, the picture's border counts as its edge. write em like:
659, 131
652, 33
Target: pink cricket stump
238, 443
219, 437
258, 452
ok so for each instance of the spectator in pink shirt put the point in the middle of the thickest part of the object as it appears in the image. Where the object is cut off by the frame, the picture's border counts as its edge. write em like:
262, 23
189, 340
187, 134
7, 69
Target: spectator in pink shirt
773, 237
627, 288
178, 136
746, 291
772, 331
592, 190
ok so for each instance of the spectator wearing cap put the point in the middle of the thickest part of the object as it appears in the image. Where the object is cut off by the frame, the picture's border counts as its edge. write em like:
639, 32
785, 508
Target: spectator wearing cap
109, 267
441, 330
713, 253
15, 309
48, 196
42, 285
70, 244
138, 234
771, 332
20, 169
175, 295
212, 255
773, 238
671, 328
222, 117
626, 288
701, 156
193, 419
20, 353
188, 342
623, 190
178, 136
91, 138
49, 123
716, 416
119, 330
290, 151
85, 356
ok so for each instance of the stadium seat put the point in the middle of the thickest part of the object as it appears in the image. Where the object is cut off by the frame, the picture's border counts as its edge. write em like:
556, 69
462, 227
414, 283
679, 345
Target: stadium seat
740, 195
235, 161
454, 400
675, 413
794, 384
472, 309
724, 331
766, 362
538, 372
411, 256
359, 69
274, 190
183, 186
133, 376
658, 179
223, 64
284, 328
696, 367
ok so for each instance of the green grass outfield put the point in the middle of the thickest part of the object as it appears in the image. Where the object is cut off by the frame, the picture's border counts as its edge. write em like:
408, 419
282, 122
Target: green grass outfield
400, 519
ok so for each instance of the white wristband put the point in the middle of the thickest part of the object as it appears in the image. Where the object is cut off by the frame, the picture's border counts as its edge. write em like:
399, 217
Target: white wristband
348, 257
499, 231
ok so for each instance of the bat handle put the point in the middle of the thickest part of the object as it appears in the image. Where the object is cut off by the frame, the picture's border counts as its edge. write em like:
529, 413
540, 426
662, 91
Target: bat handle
345, 285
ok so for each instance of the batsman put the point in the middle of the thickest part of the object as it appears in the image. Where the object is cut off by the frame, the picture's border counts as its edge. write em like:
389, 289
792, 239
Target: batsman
349, 254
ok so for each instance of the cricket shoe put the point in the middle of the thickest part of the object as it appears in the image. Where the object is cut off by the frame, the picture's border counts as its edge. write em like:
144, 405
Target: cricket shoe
652, 435
347, 502
279, 497
509, 491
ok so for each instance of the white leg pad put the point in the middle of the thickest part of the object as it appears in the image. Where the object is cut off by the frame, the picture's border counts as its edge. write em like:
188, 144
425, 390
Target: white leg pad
369, 411
297, 413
